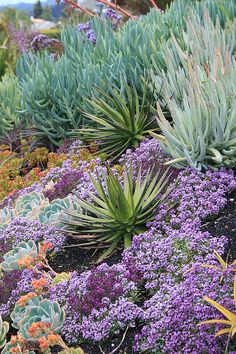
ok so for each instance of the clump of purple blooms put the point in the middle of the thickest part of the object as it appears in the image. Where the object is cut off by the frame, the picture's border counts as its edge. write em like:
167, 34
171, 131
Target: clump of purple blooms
21, 38
112, 15
42, 42
88, 32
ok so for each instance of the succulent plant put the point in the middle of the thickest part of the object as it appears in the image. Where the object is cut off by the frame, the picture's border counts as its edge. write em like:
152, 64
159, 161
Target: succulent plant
10, 98
8, 349
19, 311
6, 215
45, 311
11, 259
60, 278
54, 213
119, 211
120, 123
4, 328
29, 205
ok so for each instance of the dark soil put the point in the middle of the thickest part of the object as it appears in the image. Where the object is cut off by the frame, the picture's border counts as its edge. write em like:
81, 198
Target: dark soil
224, 224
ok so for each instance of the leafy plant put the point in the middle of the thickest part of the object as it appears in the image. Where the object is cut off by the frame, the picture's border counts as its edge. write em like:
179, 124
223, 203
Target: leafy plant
118, 211
120, 123
4, 327
203, 131
230, 320
19, 311
10, 98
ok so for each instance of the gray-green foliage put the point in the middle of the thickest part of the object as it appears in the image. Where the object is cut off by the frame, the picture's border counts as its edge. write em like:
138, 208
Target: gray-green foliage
55, 92
203, 134
10, 99
201, 42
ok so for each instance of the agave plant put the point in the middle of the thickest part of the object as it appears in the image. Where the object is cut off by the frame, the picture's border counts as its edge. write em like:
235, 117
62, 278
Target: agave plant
11, 259
4, 327
120, 124
119, 211
45, 311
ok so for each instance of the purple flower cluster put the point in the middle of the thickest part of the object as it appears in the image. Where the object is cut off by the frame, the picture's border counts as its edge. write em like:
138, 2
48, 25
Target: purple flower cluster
21, 38
65, 185
88, 32
115, 19
23, 229
97, 301
41, 42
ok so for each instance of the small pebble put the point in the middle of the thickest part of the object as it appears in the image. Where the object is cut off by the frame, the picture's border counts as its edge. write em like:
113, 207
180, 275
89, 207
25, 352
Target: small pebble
231, 199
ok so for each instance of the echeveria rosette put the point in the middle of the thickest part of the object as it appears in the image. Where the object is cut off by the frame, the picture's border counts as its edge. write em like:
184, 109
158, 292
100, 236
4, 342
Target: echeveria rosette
30, 204
9, 346
4, 328
54, 213
6, 215
23, 249
45, 311
19, 311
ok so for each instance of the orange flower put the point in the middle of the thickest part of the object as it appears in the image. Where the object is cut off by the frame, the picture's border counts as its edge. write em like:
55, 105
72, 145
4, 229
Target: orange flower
25, 262
23, 299
39, 283
13, 340
14, 350
38, 328
44, 247
43, 343
53, 338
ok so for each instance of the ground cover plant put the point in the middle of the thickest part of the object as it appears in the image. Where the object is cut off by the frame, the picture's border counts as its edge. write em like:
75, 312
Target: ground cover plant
103, 246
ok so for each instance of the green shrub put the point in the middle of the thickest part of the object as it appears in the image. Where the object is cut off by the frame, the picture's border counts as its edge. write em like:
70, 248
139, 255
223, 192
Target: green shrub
55, 92
10, 100
52, 33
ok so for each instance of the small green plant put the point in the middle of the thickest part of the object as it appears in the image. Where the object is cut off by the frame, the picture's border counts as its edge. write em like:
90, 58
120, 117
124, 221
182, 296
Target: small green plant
120, 123
4, 328
119, 211
230, 320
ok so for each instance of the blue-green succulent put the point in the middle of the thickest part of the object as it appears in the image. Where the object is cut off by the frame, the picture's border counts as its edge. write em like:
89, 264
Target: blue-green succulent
6, 214
45, 311
54, 213
29, 205
8, 349
23, 249
19, 311
4, 328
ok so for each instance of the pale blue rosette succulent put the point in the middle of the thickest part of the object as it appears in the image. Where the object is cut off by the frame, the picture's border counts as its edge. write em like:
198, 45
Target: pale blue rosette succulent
29, 205
6, 215
19, 312
23, 249
55, 213
45, 311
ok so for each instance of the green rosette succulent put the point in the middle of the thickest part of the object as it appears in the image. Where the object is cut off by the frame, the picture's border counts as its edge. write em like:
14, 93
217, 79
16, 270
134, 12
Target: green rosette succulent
23, 249
9, 346
19, 312
46, 311
30, 204
54, 213
4, 328
6, 215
